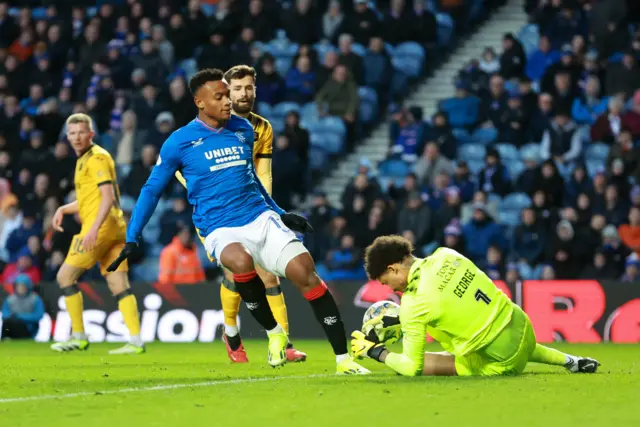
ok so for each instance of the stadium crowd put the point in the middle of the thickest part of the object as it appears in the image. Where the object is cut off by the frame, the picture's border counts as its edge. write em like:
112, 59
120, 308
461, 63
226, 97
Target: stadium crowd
325, 72
531, 169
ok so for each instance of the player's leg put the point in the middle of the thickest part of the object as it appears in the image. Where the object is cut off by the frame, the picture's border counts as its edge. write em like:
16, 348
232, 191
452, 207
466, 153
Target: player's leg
279, 309
230, 299
235, 257
550, 356
441, 364
67, 279
298, 266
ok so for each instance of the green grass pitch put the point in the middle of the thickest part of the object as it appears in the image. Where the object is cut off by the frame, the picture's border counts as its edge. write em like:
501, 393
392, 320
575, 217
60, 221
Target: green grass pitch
195, 385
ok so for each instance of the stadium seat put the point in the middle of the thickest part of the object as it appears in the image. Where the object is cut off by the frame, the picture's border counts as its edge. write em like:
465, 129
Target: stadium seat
368, 104
334, 125
597, 151
508, 152
593, 167
475, 166
446, 29
322, 48
394, 168
318, 157
411, 50
515, 168
509, 218
469, 152
265, 109
309, 112
515, 202
281, 110
494, 198
277, 123
283, 65
358, 49
412, 67
530, 150
333, 143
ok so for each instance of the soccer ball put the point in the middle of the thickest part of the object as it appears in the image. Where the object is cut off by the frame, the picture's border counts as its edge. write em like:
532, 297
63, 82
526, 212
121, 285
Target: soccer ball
388, 335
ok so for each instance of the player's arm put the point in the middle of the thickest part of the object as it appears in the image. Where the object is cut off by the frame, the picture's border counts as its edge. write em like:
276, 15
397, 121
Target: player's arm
165, 168
264, 158
414, 318
107, 199
266, 195
70, 208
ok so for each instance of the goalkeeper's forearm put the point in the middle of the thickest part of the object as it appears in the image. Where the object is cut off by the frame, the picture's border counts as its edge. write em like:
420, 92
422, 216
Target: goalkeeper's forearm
402, 364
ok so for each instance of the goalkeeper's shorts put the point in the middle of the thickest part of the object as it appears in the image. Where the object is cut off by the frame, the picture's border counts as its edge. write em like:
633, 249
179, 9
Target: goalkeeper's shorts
508, 354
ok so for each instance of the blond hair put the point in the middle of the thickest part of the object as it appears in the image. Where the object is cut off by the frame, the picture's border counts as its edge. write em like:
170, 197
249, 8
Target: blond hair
80, 118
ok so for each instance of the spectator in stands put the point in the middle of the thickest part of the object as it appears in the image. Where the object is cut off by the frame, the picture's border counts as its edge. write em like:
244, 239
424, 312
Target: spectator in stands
147, 107
150, 61
407, 134
375, 225
424, 25
609, 125
379, 69
590, 105
300, 82
271, 87
565, 24
179, 262
475, 77
173, 220
180, 104
416, 217
623, 77
561, 141
480, 233
431, 164
630, 233
217, 53
463, 109
615, 251
563, 91
528, 239
479, 198
20, 236
23, 265
332, 21
303, 24
453, 238
349, 59
578, 183
634, 195
541, 59
514, 122
400, 195
494, 177
22, 311
541, 119
463, 180
513, 59
298, 138
600, 268
395, 28
128, 141
164, 126
261, 20
526, 179
564, 252
287, 170
493, 103
489, 62
617, 176
615, 209
140, 171
339, 97
551, 184
493, 264
631, 269
320, 216
449, 211
346, 258
37, 156
362, 24
441, 133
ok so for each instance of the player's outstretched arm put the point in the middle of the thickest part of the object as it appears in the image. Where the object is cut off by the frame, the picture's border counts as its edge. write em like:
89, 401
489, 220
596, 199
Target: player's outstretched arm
414, 317
164, 170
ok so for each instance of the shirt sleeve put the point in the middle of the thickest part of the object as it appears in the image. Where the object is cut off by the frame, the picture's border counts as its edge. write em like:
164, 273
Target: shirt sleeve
100, 169
166, 166
263, 157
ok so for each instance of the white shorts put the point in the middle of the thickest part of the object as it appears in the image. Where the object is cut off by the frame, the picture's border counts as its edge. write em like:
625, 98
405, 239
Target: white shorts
265, 238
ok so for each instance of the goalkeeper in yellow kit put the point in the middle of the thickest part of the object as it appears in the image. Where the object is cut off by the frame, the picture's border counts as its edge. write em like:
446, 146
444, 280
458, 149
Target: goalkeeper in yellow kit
448, 297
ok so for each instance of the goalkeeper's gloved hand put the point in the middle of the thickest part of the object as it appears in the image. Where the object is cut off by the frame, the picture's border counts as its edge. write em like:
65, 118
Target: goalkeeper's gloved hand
383, 321
296, 222
127, 251
366, 345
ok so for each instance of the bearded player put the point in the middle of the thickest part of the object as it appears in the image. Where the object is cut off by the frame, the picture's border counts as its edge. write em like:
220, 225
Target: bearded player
448, 297
242, 91
101, 238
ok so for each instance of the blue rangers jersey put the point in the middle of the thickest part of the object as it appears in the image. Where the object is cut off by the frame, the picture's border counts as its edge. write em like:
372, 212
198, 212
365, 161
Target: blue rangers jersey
217, 165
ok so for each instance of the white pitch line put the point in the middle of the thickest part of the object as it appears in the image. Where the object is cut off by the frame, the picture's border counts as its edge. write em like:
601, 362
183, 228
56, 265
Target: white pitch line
158, 388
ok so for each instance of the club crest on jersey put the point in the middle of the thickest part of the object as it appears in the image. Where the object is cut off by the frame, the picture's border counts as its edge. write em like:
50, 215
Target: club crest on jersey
197, 142
241, 137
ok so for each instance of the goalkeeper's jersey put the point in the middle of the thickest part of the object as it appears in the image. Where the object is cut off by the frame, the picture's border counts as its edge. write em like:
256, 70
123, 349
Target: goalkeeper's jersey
452, 300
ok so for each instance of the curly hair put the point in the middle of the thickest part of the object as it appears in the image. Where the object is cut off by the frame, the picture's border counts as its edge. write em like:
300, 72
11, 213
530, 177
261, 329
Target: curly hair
204, 76
383, 252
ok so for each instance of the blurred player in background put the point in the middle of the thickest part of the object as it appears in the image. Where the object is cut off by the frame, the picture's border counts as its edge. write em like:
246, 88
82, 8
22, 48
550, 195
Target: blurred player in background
101, 238
242, 224
242, 91
448, 297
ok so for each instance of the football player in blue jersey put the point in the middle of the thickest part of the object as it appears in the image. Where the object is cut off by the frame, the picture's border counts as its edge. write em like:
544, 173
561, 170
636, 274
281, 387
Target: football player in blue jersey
239, 221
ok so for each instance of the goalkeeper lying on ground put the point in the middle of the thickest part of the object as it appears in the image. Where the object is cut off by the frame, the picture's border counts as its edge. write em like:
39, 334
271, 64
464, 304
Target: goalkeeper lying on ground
448, 297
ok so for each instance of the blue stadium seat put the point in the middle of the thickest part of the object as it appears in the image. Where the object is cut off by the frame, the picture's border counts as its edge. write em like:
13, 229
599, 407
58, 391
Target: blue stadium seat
509, 218
412, 67
494, 198
475, 166
265, 109
515, 168
277, 123
358, 49
368, 104
508, 152
333, 143
446, 29
593, 167
334, 125
318, 157
470, 152
322, 48
284, 108
530, 149
309, 112
515, 202
411, 50
597, 151
283, 65
394, 168
283, 48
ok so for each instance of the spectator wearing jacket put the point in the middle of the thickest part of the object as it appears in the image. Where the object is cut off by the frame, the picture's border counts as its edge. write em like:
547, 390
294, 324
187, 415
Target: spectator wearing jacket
562, 140
528, 239
480, 233
22, 311
179, 262
541, 59
610, 123
494, 177
590, 105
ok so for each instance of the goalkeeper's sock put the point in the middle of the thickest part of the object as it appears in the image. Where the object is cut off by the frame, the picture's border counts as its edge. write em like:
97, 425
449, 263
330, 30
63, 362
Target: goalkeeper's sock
326, 312
251, 289
75, 306
230, 299
551, 356
278, 307
128, 306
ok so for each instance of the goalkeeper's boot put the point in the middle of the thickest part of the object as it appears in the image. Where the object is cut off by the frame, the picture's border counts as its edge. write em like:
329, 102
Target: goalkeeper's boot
583, 365
238, 355
73, 344
349, 367
294, 355
277, 355
129, 349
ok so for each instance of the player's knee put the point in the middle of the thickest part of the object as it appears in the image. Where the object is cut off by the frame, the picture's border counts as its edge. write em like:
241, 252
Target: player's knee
240, 263
64, 279
270, 281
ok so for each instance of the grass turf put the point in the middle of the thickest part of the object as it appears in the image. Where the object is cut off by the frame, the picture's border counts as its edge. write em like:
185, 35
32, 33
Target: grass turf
212, 391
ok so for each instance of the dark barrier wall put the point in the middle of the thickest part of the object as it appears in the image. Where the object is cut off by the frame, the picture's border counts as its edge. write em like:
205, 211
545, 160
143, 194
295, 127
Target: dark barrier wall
573, 311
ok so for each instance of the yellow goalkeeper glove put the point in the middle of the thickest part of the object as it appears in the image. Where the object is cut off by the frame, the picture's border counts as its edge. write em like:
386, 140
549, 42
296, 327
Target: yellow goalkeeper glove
366, 346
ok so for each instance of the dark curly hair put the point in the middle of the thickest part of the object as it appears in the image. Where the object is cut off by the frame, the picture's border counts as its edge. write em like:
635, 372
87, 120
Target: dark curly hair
204, 76
383, 252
